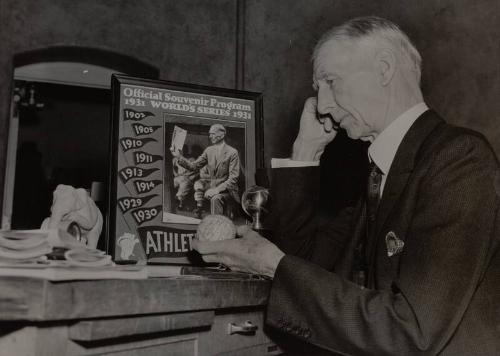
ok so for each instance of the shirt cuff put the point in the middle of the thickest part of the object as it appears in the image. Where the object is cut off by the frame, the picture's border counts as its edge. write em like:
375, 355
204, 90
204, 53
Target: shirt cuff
288, 163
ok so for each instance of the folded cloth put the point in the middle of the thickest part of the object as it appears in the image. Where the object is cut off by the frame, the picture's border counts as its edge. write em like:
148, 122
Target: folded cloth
32, 246
75, 205
35, 252
23, 244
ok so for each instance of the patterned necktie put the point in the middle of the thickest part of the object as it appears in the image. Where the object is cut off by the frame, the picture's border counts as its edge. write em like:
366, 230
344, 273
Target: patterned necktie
363, 251
373, 194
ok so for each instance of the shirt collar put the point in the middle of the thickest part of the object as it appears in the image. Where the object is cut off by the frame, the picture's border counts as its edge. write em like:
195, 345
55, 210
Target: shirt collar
383, 149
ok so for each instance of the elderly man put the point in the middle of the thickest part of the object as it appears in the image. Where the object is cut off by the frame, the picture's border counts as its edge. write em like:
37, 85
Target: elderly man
414, 268
223, 165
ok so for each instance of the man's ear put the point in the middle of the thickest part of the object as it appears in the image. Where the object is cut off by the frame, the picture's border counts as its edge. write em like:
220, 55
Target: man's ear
386, 63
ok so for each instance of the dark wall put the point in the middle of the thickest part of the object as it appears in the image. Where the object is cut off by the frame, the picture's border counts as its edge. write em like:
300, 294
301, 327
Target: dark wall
190, 41
459, 41
197, 41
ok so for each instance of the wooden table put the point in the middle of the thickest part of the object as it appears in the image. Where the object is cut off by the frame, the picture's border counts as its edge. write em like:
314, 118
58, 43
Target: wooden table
184, 316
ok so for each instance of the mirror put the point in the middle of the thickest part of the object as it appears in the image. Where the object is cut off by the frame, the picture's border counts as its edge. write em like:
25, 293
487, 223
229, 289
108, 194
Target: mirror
58, 134
62, 138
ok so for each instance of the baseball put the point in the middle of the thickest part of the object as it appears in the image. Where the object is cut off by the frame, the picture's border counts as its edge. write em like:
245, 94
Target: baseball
216, 228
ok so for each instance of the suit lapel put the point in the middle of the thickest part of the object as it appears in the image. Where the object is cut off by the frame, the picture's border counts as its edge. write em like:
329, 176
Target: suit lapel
220, 157
404, 162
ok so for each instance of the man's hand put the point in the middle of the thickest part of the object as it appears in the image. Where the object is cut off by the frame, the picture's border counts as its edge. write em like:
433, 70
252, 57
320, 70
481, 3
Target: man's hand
209, 193
251, 253
175, 153
314, 134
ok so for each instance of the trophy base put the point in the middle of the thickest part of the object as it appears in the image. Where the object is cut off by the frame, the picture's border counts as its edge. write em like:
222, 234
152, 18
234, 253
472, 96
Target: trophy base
264, 232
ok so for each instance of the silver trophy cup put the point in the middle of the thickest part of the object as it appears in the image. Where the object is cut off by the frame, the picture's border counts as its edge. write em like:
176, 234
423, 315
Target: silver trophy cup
253, 202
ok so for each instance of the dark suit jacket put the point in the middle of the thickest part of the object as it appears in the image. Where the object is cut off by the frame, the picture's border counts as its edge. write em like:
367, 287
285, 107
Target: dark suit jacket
440, 295
223, 167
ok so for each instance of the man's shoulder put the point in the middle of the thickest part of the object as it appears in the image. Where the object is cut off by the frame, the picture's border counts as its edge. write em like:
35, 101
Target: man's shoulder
452, 135
449, 139
433, 118
230, 149
431, 139
440, 132
455, 130
209, 149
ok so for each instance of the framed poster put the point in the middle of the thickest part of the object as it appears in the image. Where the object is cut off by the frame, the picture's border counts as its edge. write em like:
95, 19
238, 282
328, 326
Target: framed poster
178, 152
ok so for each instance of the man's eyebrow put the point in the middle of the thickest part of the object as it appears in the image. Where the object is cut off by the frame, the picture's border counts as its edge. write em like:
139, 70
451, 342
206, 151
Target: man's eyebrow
319, 74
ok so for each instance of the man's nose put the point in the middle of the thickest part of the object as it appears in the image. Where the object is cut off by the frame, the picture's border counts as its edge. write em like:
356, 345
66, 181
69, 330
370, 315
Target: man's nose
326, 101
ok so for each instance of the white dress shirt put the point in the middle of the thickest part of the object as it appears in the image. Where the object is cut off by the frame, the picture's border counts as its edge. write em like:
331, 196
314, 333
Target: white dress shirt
383, 149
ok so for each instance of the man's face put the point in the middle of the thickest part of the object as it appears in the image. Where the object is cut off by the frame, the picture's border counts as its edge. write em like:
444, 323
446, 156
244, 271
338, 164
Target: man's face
216, 135
348, 88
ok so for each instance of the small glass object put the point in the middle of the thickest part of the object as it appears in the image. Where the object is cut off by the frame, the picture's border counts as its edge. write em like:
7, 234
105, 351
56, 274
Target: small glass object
254, 202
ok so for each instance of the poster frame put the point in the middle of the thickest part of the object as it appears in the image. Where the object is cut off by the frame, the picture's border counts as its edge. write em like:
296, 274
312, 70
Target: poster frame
253, 152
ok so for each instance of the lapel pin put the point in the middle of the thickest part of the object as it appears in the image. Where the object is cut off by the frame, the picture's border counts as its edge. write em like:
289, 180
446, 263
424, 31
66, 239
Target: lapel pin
394, 244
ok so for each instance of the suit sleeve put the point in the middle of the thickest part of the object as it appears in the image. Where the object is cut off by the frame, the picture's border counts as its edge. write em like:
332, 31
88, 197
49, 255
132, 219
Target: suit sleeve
445, 256
196, 165
298, 230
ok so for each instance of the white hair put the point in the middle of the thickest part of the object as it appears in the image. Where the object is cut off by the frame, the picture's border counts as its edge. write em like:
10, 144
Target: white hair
381, 30
218, 127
